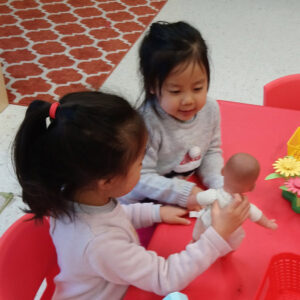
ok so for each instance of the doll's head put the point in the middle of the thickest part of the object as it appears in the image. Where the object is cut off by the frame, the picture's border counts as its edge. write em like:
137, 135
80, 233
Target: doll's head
175, 68
240, 173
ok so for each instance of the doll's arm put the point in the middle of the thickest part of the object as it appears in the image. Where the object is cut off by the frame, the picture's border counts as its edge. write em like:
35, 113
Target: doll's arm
206, 197
267, 223
258, 217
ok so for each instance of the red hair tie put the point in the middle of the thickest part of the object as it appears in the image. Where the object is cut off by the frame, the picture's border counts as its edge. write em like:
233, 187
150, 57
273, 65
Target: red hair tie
52, 110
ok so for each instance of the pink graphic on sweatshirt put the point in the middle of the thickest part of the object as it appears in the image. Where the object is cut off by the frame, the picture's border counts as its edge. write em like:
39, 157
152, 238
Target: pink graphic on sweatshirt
191, 160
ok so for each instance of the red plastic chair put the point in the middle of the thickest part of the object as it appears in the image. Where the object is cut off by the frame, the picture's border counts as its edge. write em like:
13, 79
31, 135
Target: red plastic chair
27, 257
283, 92
281, 280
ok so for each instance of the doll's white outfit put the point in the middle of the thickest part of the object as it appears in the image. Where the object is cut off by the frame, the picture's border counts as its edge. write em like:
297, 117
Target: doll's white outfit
179, 148
99, 254
206, 198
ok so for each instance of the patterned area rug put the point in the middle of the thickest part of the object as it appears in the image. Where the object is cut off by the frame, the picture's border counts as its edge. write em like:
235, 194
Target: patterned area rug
52, 47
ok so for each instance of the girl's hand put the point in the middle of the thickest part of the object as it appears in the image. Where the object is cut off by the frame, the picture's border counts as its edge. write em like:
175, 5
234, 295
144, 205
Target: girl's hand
226, 220
191, 202
173, 215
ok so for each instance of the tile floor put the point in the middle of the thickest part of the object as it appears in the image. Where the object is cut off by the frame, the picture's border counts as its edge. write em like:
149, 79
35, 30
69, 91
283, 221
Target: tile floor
251, 43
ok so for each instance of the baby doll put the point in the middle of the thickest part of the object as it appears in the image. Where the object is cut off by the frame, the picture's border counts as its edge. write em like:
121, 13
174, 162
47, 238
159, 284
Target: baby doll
240, 174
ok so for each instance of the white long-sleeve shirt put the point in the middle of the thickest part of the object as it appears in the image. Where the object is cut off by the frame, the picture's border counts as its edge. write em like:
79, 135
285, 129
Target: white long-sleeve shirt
177, 146
99, 254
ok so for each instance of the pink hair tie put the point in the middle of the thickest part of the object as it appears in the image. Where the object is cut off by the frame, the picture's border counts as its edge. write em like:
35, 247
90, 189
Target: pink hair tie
52, 110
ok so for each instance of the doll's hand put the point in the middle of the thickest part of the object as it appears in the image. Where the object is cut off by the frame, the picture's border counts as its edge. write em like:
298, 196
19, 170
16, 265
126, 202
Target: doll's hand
173, 215
191, 202
226, 220
272, 224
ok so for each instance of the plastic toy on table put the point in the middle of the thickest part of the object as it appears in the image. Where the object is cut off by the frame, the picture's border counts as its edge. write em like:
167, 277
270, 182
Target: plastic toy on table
240, 174
293, 144
176, 296
288, 168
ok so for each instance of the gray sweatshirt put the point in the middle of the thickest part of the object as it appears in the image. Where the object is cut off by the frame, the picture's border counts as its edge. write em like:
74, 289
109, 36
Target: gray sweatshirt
178, 147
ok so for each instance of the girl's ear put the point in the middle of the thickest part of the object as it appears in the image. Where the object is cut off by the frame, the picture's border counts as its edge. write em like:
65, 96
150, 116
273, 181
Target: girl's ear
154, 90
105, 184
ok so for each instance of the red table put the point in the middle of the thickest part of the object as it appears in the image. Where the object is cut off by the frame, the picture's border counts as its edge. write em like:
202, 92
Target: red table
262, 132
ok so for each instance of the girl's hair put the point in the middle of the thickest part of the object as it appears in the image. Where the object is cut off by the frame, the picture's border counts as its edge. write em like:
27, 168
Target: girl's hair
94, 135
165, 46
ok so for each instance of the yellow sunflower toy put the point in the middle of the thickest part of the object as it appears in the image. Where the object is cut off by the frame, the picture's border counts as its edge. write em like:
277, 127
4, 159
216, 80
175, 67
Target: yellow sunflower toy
288, 168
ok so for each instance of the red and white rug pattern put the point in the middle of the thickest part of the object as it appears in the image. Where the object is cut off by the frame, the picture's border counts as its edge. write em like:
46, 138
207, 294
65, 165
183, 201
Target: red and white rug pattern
52, 47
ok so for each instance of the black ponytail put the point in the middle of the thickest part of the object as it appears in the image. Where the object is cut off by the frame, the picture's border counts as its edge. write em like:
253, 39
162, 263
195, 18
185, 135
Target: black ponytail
94, 135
